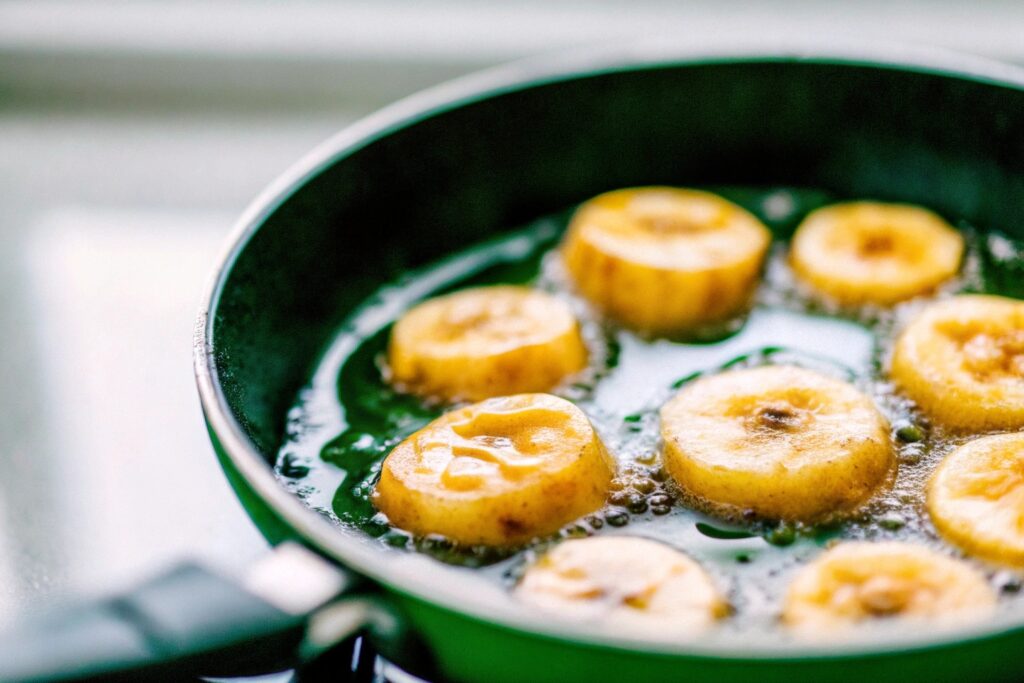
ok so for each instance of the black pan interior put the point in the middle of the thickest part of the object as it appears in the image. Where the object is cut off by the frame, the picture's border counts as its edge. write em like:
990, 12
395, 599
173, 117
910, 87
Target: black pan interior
456, 176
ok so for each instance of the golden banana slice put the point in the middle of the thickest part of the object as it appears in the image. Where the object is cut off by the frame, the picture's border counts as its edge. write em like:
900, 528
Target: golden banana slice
976, 498
665, 260
634, 584
857, 583
780, 441
484, 342
962, 361
499, 472
872, 253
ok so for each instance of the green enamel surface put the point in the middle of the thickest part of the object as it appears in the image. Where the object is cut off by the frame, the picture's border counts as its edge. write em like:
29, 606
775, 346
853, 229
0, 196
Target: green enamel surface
468, 650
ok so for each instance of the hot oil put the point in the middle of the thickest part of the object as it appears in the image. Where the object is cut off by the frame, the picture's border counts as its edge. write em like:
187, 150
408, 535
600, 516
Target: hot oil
348, 418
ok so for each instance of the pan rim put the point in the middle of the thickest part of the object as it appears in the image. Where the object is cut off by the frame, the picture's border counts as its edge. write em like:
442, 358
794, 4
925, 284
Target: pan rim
369, 560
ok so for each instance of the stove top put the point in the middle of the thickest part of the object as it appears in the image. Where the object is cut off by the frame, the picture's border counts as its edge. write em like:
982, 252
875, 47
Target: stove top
359, 661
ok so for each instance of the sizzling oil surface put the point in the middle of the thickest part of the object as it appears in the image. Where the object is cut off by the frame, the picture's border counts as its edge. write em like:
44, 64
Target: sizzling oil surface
348, 418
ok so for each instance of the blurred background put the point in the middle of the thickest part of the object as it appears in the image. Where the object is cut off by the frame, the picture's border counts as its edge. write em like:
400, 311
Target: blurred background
132, 134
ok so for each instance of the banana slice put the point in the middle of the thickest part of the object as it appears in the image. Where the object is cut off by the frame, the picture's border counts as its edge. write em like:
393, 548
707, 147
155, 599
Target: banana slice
484, 342
857, 583
665, 260
781, 441
499, 472
962, 361
976, 498
634, 584
867, 252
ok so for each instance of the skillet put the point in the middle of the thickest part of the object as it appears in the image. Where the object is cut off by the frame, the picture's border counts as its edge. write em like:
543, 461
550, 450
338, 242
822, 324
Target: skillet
459, 164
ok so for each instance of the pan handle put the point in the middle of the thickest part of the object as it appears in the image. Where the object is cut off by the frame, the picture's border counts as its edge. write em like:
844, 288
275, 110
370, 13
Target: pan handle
190, 621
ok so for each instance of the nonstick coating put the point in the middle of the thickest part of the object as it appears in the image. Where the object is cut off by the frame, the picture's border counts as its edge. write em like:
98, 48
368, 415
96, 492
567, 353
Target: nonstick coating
457, 164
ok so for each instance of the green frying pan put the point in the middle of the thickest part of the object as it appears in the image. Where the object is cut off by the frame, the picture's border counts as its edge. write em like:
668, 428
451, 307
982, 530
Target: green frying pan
465, 161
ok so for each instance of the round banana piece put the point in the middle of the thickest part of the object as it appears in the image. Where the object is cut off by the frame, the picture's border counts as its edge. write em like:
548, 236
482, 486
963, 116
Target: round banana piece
780, 441
665, 260
636, 585
871, 253
962, 362
976, 498
484, 342
857, 583
499, 472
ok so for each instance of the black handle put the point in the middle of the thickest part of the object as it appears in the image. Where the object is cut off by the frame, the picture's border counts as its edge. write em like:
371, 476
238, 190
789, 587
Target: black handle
188, 621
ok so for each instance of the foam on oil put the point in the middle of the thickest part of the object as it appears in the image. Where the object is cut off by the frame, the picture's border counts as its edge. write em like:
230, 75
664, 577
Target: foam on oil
347, 419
